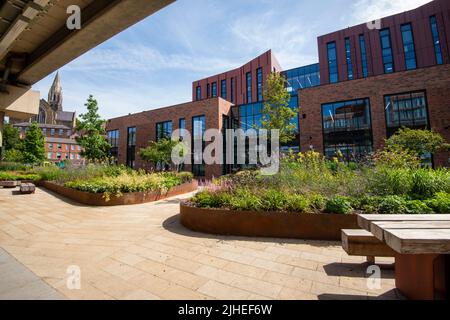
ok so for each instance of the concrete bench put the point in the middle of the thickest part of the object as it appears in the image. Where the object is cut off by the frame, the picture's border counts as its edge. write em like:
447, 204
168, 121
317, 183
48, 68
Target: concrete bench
9, 184
363, 243
27, 188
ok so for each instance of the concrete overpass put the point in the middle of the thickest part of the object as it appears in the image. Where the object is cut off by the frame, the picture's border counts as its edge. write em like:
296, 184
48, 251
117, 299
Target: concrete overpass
35, 41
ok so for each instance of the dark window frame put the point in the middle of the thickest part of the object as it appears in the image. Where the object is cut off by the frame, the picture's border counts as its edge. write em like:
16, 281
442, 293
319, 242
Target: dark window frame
363, 51
436, 40
348, 59
333, 76
159, 137
414, 56
383, 56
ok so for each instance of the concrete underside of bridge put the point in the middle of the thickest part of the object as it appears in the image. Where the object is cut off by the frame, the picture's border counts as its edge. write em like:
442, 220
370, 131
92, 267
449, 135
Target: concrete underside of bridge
35, 41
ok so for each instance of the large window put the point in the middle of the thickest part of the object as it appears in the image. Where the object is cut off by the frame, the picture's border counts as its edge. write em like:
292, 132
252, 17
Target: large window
436, 41
347, 128
386, 51
163, 130
249, 87
208, 91
232, 89
362, 45
408, 47
250, 116
301, 78
198, 95
182, 126
406, 110
223, 89
131, 147
113, 138
260, 84
332, 62
348, 56
198, 130
214, 89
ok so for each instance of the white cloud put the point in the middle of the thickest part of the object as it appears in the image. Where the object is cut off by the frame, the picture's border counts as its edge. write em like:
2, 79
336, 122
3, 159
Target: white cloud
369, 10
141, 58
290, 39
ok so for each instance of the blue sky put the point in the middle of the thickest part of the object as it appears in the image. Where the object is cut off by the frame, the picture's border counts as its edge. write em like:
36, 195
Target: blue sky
153, 63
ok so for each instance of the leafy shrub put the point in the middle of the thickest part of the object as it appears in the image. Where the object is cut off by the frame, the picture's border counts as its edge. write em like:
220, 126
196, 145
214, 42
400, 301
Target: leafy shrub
297, 203
338, 204
13, 166
418, 207
440, 203
384, 181
207, 199
245, 200
393, 205
186, 176
317, 201
273, 200
18, 176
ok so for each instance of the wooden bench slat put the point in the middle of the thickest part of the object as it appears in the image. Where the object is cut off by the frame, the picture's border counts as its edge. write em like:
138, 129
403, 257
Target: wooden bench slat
377, 228
364, 220
363, 243
418, 241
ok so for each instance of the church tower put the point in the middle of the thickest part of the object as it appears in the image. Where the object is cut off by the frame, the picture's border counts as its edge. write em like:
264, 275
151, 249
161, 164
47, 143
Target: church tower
55, 98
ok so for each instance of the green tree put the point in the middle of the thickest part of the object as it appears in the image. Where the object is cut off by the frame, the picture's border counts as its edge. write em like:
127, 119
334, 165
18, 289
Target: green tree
159, 153
11, 138
34, 145
418, 142
277, 113
92, 131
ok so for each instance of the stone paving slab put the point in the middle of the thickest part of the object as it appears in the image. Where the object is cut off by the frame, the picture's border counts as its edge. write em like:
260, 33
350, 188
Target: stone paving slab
19, 283
143, 252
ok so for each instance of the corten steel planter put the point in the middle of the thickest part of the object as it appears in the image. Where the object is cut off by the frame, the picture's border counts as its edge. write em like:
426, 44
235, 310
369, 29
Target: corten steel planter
321, 226
97, 199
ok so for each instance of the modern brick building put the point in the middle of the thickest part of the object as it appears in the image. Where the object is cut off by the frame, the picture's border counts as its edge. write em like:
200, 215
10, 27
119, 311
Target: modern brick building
371, 80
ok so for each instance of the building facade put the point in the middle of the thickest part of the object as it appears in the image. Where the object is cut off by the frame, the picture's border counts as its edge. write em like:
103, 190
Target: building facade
371, 80
58, 127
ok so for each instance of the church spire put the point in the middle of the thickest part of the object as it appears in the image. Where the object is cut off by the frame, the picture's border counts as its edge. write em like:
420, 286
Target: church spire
55, 97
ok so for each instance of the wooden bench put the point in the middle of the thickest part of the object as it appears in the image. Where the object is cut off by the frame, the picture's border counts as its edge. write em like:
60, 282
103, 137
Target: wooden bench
9, 184
359, 242
27, 188
422, 246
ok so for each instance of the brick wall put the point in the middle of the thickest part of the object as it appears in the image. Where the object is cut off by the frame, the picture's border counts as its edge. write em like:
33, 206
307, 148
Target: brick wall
145, 123
434, 80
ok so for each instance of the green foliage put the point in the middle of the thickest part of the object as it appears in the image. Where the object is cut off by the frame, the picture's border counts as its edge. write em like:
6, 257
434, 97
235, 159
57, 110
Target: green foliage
393, 205
427, 182
339, 204
273, 200
317, 201
34, 145
276, 112
417, 207
159, 152
13, 155
13, 166
440, 203
419, 142
11, 138
18, 176
396, 158
127, 182
92, 134
297, 203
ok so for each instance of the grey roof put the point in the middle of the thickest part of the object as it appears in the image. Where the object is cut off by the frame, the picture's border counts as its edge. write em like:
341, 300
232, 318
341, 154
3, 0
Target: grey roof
60, 140
43, 125
65, 116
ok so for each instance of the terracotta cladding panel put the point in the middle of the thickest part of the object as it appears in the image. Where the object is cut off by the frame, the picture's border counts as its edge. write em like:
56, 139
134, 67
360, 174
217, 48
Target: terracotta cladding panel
435, 81
419, 19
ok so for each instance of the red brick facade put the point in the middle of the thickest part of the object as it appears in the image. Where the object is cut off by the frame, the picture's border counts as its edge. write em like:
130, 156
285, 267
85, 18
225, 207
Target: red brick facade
435, 81
423, 42
145, 123
267, 62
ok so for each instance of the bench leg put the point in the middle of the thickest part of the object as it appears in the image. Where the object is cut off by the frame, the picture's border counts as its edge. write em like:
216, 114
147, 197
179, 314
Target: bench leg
370, 260
422, 277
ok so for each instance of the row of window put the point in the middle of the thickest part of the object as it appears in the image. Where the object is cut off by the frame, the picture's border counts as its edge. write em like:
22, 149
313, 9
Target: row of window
59, 146
347, 125
386, 52
60, 156
53, 132
211, 89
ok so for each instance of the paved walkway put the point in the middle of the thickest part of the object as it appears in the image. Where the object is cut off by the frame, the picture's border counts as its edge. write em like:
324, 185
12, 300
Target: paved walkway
142, 252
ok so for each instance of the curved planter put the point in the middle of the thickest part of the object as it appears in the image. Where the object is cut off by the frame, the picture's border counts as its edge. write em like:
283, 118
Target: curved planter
96, 199
267, 224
